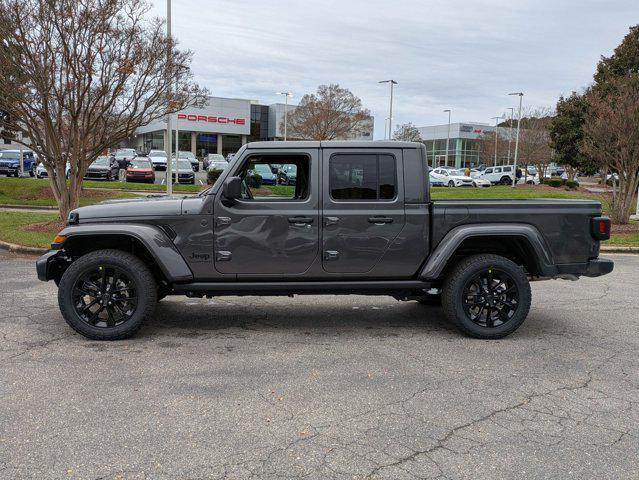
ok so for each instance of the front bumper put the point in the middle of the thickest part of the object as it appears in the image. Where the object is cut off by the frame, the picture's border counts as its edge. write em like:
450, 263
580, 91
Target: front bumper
49, 265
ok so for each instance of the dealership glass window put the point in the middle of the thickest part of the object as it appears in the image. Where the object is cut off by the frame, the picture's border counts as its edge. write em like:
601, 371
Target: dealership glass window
153, 141
275, 177
362, 177
206, 143
231, 144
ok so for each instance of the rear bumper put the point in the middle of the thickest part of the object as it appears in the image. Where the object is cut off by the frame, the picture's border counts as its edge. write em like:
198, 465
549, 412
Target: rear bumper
599, 266
593, 268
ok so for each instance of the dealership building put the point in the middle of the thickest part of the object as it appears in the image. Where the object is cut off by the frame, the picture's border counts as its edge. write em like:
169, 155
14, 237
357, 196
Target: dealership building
222, 125
463, 147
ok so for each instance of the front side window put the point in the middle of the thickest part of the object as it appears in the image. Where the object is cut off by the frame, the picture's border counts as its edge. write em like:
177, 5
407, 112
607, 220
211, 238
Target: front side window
363, 177
498, 170
275, 177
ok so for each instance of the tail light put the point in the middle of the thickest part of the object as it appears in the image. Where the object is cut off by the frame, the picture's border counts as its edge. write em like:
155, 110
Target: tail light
600, 228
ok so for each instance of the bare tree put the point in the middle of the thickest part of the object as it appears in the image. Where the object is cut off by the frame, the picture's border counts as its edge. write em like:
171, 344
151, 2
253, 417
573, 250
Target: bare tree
84, 75
486, 148
331, 113
534, 146
611, 137
407, 133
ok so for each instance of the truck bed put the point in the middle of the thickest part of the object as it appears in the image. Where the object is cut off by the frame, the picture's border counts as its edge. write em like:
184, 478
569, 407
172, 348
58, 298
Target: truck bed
564, 224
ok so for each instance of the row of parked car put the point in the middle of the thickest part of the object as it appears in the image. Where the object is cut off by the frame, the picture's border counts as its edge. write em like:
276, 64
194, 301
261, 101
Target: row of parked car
135, 167
487, 176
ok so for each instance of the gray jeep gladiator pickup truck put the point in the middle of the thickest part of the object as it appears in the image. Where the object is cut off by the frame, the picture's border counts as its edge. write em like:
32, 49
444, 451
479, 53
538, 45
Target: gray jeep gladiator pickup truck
359, 220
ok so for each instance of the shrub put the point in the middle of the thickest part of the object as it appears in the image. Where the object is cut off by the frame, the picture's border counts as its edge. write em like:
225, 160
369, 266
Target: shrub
572, 184
554, 182
254, 180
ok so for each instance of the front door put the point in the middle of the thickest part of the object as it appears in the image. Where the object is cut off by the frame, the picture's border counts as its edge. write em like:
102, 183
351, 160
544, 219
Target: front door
274, 229
363, 207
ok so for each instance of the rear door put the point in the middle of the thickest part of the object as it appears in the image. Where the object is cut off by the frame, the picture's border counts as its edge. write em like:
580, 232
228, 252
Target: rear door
362, 207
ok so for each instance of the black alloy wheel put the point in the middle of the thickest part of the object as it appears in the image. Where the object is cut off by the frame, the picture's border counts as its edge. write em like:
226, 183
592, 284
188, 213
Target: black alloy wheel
107, 294
104, 296
491, 298
486, 296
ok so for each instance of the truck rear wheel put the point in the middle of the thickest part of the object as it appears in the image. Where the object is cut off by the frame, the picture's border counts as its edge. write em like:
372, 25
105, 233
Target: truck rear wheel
486, 296
107, 294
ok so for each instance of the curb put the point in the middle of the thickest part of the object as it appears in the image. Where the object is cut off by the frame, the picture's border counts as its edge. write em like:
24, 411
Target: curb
618, 249
29, 207
12, 247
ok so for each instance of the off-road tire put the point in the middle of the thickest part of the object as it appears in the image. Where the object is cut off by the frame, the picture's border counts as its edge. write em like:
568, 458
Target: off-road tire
138, 272
506, 180
453, 293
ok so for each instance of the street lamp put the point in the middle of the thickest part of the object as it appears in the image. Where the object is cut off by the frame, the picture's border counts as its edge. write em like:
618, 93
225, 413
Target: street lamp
390, 115
510, 130
286, 95
169, 131
447, 137
496, 124
521, 96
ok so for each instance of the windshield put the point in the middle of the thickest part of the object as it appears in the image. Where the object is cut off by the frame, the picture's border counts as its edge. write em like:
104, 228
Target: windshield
10, 156
140, 163
125, 151
183, 165
219, 165
186, 155
101, 162
157, 153
457, 173
216, 157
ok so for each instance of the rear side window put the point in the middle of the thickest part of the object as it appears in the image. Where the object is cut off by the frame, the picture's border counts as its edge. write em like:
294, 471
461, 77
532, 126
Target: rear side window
507, 169
362, 177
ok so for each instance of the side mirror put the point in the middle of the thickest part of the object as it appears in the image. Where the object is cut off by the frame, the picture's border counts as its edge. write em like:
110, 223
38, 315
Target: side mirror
232, 190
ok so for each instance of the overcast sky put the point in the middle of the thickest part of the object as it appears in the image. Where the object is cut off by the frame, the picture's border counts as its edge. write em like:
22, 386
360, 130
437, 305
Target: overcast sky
463, 55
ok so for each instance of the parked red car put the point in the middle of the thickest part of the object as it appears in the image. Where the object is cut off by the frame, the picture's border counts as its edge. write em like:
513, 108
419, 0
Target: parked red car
140, 169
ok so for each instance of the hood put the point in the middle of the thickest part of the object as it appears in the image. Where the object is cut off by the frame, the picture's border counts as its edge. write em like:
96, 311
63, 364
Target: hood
134, 207
98, 168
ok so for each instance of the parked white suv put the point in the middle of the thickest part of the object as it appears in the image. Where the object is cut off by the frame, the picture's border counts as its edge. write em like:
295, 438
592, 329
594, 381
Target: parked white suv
452, 177
502, 174
158, 159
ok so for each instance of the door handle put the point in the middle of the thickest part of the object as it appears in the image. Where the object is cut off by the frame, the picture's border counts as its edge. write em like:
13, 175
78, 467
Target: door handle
328, 221
300, 221
380, 220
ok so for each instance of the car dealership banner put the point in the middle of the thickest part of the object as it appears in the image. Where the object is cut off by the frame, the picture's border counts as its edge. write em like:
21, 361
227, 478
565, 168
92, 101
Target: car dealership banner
220, 115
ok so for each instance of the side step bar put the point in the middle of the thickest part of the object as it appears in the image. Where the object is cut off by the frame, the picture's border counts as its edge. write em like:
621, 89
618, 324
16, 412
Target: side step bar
376, 287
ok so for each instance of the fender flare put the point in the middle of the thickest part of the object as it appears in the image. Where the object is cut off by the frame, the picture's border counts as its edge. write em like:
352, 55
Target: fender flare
447, 247
159, 245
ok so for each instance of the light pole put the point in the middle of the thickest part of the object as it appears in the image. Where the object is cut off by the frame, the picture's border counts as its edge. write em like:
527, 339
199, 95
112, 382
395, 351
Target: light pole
286, 95
510, 130
390, 115
169, 131
496, 123
447, 137
521, 96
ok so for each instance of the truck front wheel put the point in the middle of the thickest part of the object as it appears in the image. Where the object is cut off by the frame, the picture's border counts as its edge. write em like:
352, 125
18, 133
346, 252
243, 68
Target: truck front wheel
486, 296
107, 294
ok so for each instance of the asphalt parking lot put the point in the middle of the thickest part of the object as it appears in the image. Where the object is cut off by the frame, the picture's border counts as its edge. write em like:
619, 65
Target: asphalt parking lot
321, 388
